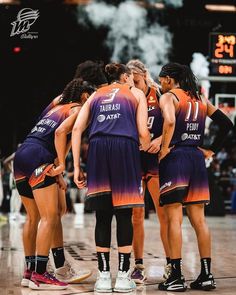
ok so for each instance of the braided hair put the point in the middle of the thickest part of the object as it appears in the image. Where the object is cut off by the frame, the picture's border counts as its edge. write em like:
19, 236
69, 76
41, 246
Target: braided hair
74, 90
91, 71
183, 75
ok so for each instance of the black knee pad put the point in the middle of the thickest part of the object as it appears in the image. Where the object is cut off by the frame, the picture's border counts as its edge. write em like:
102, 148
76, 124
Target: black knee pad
124, 227
103, 228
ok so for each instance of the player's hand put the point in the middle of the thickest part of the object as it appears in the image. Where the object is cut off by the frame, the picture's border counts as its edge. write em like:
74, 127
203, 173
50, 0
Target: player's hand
56, 170
207, 153
154, 146
79, 178
61, 182
164, 152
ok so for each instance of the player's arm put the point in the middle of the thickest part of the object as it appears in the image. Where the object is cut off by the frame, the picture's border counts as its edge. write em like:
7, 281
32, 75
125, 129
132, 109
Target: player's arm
142, 118
61, 146
168, 112
224, 126
78, 129
155, 145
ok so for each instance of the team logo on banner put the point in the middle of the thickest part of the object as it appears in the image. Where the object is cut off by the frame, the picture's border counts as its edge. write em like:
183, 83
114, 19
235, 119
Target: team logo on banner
26, 17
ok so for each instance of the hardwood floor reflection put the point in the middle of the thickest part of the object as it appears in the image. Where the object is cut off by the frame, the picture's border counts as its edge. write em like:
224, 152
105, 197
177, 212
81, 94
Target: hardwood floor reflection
80, 251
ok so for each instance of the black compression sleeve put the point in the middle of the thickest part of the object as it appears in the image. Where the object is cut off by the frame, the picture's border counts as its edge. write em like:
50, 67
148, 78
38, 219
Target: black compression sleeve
224, 125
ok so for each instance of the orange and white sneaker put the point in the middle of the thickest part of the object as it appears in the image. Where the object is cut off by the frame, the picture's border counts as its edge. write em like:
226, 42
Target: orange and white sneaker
45, 281
68, 275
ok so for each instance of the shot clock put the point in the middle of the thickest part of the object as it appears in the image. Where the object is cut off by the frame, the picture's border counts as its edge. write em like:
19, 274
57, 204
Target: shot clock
223, 54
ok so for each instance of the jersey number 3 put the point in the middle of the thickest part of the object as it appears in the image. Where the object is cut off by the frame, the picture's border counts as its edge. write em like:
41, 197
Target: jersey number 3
111, 96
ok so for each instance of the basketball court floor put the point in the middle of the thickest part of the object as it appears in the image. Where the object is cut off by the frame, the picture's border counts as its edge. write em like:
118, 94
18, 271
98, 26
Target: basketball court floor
80, 251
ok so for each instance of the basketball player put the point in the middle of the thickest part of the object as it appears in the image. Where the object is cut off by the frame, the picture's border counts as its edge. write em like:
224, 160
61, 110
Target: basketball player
93, 73
117, 118
40, 194
183, 174
150, 173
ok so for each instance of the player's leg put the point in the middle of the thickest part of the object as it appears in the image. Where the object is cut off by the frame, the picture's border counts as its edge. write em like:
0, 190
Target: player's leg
138, 274
99, 199
63, 269
153, 187
124, 241
175, 282
29, 237
173, 190
103, 243
46, 199
198, 195
126, 194
205, 280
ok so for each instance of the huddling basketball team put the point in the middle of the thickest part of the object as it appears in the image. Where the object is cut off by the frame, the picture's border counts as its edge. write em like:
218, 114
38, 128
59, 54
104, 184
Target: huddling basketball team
141, 136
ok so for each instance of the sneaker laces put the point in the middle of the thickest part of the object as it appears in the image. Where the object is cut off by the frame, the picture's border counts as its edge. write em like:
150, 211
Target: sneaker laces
51, 277
70, 268
102, 277
125, 275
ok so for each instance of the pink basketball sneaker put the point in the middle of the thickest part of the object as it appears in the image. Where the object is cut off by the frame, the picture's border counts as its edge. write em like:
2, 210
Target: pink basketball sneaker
45, 281
26, 278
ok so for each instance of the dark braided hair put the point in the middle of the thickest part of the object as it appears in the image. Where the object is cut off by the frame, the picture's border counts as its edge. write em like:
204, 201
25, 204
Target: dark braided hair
74, 90
91, 71
115, 70
183, 75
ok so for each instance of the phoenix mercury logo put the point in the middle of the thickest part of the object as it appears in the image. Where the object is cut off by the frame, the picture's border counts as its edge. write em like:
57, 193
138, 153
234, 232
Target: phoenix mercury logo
26, 17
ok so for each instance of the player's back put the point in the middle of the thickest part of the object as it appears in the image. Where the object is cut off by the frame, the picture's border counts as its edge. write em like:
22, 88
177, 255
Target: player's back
190, 119
44, 130
113, 112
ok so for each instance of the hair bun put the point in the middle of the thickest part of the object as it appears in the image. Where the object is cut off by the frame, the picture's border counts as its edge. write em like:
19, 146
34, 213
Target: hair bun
112, 68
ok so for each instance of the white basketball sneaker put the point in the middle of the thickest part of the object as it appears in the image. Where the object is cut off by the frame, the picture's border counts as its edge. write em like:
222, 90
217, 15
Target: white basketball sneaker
103, 282
124, 283
68, 275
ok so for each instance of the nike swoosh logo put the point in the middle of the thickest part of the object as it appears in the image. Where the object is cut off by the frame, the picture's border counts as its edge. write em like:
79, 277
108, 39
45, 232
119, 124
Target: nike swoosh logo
176, 287
169, 284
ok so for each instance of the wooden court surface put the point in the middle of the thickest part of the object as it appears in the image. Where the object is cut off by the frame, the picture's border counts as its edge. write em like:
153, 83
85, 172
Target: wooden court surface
80, 251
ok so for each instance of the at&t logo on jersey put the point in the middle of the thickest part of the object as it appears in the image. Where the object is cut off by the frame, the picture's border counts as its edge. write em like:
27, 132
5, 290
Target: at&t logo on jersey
186, 136
102, 118
26, 17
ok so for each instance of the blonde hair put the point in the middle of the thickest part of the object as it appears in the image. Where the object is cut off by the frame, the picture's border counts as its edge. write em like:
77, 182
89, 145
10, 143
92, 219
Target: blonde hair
137, 67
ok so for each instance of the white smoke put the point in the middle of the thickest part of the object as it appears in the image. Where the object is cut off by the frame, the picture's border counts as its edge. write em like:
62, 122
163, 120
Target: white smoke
101, 14
155, 45
130, 36
125, 30
200, 68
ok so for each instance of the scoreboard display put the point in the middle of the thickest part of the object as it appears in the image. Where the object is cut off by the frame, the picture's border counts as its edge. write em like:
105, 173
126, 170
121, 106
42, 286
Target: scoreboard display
222, 54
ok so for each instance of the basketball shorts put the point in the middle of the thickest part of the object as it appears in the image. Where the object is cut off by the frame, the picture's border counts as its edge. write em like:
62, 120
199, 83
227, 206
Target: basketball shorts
183, 177
31, 163
113, 173
149, 165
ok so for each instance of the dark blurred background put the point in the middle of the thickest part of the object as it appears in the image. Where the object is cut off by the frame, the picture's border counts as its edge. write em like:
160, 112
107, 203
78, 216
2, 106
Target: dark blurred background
33, 72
